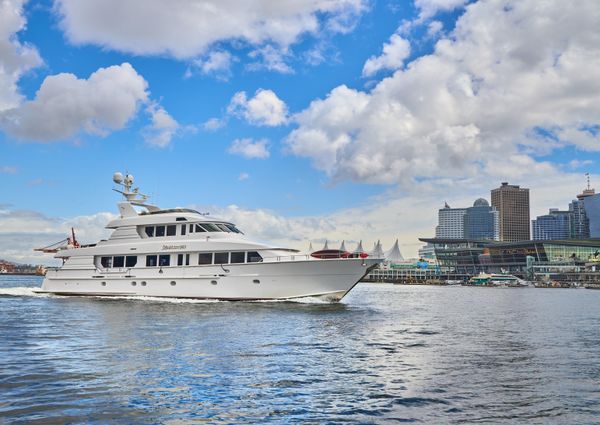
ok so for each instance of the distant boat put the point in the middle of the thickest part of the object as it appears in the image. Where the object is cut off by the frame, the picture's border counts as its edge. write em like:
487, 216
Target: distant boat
506, 280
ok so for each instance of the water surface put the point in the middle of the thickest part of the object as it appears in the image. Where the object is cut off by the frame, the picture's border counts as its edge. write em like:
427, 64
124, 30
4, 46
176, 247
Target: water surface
386, 354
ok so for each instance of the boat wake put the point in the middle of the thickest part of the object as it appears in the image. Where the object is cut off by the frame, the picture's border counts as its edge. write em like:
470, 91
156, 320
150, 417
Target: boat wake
25, 291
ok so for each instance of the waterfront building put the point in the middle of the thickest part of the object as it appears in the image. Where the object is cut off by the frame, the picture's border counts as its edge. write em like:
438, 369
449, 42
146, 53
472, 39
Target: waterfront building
512, 203
450, 223
554, 225
394, 255
427, 252
580, 223
481, 221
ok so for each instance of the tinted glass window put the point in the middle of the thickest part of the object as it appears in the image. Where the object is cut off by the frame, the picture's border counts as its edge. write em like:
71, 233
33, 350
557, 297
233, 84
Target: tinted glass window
180, 259
183, 229
233, 228
221, 257
223, 228
160, 231
106, 262
150, 231
118, 261
254, 257
200, 228
171, 230
211, 227
164, 260
192, 228
150, 260
238, 257
205, 258
131, 261
187, 259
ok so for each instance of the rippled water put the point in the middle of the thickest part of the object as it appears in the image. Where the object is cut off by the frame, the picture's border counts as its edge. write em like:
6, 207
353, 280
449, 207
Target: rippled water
386, 354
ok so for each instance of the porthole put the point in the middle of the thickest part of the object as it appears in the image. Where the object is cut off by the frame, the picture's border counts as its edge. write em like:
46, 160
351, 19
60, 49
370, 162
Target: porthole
256, 281
214, 282
143, 283
133, 283
173, 283
103, 283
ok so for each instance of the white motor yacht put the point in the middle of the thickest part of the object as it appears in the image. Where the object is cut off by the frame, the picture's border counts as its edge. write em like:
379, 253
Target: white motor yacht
182, 253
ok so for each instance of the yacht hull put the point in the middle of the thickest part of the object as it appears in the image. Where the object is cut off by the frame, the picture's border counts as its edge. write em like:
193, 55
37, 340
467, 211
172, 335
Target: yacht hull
329, 279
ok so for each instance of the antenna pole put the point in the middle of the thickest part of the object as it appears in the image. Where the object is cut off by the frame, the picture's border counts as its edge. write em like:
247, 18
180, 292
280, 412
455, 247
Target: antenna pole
588, 180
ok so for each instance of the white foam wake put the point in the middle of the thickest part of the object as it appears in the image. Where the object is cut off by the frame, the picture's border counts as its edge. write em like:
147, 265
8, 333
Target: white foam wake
22, 291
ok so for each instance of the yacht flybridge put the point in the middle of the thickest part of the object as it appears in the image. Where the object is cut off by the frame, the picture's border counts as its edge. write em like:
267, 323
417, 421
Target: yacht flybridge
182, 253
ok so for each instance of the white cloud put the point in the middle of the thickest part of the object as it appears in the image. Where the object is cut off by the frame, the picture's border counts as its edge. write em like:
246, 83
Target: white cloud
162, 129
391, 58
434, 28
430, 8
576, 163
505, 72
264, 109
217, 63
270, 58
243, 176
65, 105
249, 148
186, 29
8, 169
22, 230
213, 124
16, 58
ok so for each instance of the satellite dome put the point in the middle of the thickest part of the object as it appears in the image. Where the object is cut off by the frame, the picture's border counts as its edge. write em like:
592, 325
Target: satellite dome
481, 203
118, 177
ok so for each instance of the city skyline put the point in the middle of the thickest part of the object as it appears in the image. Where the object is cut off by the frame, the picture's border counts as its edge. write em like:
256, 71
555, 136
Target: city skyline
339, 120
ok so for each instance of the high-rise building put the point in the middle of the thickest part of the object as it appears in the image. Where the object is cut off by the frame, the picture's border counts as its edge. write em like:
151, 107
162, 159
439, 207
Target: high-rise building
580, 223
481, 221
512, 203
450, 223
592, 211
554, 225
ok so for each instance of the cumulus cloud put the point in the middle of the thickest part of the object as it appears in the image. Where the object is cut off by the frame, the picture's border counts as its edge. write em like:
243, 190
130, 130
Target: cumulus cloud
23, 230
162, 129
217, 63
16, 58
264, 109
66, 105
186, 29
430, 8
243, 176
213, 124
393, 56
250, 149
506, 81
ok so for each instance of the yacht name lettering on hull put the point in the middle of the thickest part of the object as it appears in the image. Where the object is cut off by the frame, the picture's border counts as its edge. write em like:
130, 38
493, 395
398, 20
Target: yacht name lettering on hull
168, 247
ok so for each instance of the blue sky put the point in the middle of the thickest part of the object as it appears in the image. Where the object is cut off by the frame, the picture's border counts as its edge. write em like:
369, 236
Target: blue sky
357, 118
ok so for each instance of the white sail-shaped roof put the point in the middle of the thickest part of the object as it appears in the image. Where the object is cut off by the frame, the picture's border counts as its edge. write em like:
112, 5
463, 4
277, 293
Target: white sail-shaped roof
326, 246
359, 247
394, 255
310, 248
377, 251
343, 246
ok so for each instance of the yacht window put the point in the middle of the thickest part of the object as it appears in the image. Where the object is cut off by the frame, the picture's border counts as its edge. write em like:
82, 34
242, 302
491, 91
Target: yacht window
238, 257
118, 261
180, 259
233, 228
210, 227
205, 258
187, 259
223, 228
200, 228
160, 230
131, 261
181, 219
192, 228
151, 260
164, 260
106, 262
221, 257
150, 231
183, 229
171, 230
254, 257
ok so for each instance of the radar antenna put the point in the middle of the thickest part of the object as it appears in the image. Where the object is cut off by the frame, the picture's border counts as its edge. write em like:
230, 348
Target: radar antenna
126, 182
